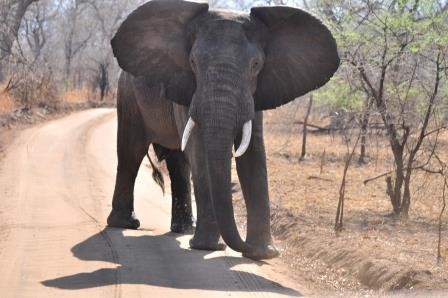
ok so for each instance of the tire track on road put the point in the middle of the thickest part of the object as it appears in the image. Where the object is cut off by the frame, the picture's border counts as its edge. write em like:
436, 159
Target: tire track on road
81, 154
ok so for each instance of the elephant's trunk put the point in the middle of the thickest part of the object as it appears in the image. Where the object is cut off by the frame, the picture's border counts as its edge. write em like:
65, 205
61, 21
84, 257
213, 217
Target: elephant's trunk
219, 153
220, 109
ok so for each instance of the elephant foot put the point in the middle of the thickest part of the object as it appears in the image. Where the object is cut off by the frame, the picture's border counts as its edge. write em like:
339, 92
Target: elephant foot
262, 253
206, 245
182, 227
123, 219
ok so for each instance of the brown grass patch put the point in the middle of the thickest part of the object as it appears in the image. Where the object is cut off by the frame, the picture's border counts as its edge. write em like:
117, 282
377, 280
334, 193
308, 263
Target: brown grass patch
7, 103
78, 95
374, 251
84, 95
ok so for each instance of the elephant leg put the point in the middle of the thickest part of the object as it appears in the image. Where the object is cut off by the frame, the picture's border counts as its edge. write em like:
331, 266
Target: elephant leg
132, 146
252, 173
179, 170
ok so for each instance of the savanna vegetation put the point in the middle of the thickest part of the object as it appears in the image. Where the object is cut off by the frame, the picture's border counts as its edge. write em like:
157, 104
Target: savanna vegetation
55, 51
364, 188
369, 197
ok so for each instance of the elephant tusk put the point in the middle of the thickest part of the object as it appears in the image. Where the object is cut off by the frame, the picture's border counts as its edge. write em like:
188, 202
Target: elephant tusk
187, 132
245, 140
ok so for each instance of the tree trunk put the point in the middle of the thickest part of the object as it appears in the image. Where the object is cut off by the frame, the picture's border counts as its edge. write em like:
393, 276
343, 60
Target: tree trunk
12, 28
103, 80
362, 153
2, 75
394, 188
305, 129
67, 69
406, 202
364, 127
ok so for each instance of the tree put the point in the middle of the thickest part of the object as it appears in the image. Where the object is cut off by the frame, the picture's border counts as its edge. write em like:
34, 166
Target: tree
75, 39
399, 52
108, 15
35, 22
11, 15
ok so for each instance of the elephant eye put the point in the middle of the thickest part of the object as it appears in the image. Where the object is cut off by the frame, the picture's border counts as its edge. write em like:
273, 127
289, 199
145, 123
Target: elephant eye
193, 65
256, 66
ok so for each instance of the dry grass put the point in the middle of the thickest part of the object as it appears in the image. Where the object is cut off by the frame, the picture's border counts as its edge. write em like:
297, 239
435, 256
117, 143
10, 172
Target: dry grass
371, 238
83, 95
283, 144
7, 103
77, 95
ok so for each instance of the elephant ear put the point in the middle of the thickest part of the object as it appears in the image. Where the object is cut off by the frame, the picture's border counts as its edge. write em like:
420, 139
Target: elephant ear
153, 42
300, 55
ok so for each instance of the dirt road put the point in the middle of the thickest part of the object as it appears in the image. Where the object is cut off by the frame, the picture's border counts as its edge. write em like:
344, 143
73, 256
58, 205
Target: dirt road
56, 183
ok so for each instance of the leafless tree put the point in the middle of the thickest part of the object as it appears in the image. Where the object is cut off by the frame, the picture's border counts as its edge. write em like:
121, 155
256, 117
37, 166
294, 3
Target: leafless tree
11, 15
75, 40
35, 22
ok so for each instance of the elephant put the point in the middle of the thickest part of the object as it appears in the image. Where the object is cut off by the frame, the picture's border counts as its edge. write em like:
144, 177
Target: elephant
195, 83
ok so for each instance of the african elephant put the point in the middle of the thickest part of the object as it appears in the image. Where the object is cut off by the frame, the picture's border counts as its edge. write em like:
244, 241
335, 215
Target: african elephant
207, 75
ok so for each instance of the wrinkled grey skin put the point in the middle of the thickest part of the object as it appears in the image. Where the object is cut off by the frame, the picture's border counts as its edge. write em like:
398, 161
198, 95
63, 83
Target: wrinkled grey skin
221, 69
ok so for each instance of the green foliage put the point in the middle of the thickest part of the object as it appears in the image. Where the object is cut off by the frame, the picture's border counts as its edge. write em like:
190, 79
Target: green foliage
402, 36
369, 30
338, 95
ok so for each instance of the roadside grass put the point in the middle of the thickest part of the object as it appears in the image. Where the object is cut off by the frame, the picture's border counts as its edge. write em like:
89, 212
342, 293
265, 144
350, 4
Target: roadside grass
7, 103
305, 196
83, 95
20, 107
77, 95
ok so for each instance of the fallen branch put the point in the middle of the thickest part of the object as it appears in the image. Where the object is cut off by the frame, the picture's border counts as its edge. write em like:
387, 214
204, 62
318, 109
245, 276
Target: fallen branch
378, 177
319, 128
328, 128
422, 167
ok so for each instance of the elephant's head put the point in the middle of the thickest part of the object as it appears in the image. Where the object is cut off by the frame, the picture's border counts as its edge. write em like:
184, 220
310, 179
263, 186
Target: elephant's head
225, 66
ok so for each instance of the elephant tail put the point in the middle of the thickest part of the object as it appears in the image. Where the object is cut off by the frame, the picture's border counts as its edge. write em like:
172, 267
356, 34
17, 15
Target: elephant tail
157, 175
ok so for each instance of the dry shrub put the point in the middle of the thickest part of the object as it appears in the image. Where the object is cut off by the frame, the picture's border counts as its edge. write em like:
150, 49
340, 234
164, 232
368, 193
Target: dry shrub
7, 103
82, 95
77, 95
33, 87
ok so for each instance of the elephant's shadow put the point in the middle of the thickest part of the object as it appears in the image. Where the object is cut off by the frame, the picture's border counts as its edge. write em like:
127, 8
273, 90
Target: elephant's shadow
139, 262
